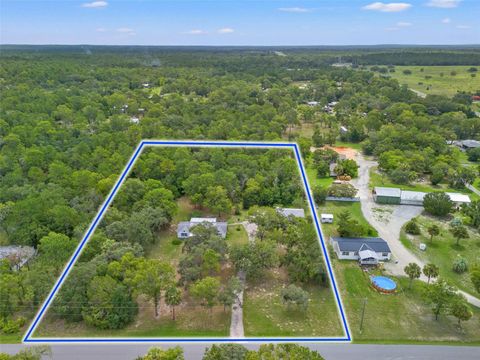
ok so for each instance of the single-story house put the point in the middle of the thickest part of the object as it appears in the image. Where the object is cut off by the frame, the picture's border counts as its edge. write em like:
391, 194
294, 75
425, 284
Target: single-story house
368, 251
183, 228
326, 218
385, 195
312, 103
17, 256
291, 212
467, 144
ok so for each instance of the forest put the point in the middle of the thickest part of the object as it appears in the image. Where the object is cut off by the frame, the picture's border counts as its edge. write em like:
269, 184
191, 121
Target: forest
70, 118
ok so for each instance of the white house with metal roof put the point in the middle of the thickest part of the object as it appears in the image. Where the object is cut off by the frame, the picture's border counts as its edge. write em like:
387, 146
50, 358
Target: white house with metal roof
184, 227
368, 251
291, 212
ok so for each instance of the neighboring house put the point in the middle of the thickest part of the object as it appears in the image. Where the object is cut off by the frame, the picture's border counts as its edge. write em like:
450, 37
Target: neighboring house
312, 103
368, 251
184, 227
326, 218
467, 144
343, 130
291, 212
17, 256
134, 120
384, 195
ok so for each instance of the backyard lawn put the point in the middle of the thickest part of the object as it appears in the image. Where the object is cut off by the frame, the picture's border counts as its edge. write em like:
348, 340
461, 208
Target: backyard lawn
398, 318
266, 315
443, 250
335, 208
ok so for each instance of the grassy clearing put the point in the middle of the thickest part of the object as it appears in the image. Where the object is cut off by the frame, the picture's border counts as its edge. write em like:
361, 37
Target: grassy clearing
443, 250
336, 207
447, 84
314, 180
400, 318
266, 315
236, 235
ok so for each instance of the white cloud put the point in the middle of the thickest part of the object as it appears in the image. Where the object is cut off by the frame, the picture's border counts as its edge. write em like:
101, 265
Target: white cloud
404, 24
126, 30
225, 30
195, 32
463, 27
446, 21
95, 4
445, 4
387, 7
295, 10
101, 29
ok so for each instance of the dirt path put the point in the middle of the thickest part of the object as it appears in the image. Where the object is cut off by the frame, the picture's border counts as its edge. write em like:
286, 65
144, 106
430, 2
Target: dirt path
388, 220
236, 324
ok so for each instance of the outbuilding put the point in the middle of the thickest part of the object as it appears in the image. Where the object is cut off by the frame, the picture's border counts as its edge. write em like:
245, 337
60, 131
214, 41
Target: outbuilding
291, 212
459, 199
326, 218
386, 195
412, 197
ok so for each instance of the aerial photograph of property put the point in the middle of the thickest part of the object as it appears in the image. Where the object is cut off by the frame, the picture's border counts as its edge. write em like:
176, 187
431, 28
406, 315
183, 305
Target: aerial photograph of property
245, 180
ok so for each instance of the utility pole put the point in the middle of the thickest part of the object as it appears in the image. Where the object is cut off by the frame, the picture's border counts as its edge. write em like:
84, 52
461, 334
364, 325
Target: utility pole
363, 314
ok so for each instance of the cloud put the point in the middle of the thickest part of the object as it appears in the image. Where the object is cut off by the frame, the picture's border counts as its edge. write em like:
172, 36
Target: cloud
445, 4
463, 27
387, 7
195, 32
126, 30
404, 24
225, 30
446, 21
295, 10
101, 29
95, 4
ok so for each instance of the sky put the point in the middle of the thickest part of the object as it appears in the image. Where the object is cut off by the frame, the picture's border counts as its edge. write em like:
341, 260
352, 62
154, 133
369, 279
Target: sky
240, 22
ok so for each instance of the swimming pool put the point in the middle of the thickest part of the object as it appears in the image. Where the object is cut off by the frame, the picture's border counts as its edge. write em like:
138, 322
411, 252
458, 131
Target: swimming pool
383, 284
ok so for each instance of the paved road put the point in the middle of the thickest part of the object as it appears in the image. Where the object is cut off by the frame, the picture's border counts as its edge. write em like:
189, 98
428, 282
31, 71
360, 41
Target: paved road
473, 188
388, 221
328, 351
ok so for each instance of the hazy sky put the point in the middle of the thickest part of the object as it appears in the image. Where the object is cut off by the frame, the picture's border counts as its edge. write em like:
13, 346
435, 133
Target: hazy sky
241, 22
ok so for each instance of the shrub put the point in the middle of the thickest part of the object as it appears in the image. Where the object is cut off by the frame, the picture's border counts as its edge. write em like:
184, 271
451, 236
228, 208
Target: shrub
342, 190
176, 242
437, 203
412, 227
319, 194
460, 265
12, 326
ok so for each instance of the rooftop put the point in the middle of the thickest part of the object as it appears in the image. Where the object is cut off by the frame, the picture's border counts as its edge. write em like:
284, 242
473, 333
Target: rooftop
355, 244
386, 191
293, 212
459, 198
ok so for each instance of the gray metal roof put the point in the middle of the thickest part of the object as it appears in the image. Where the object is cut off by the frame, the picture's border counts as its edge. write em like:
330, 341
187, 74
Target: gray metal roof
412, 195
471, 143
386, 191
185, 226
355, 244
293, 212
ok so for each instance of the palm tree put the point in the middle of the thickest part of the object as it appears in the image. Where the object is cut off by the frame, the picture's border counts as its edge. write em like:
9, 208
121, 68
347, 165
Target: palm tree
430, 271
173, 297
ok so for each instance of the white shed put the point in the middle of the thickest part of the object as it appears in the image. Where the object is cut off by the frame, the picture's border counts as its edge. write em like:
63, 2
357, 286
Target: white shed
326, 218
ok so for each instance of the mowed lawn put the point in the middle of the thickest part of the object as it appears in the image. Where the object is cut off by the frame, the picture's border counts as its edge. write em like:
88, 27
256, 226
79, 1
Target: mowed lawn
264, 314
399, 318
335, 208
447, 84
442, 251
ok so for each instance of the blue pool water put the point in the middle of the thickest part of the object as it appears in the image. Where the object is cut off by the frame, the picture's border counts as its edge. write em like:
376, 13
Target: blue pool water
384, 283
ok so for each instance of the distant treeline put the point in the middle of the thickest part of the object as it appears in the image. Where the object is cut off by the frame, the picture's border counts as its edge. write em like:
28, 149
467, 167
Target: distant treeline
420, 58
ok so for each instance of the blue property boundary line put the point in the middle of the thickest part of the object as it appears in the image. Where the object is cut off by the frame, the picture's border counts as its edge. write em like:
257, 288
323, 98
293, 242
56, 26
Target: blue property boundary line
188, 143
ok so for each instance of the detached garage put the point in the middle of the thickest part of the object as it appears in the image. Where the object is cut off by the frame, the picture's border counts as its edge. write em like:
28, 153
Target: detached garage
385, 195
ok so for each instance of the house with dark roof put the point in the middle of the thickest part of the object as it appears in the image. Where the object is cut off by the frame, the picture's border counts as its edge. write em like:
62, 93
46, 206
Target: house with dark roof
184, 227
367, 251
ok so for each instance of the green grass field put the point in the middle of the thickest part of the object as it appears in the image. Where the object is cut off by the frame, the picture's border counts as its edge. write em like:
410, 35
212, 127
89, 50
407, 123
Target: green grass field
336, 207
438, 85
442, 251
403, 317
266, 315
